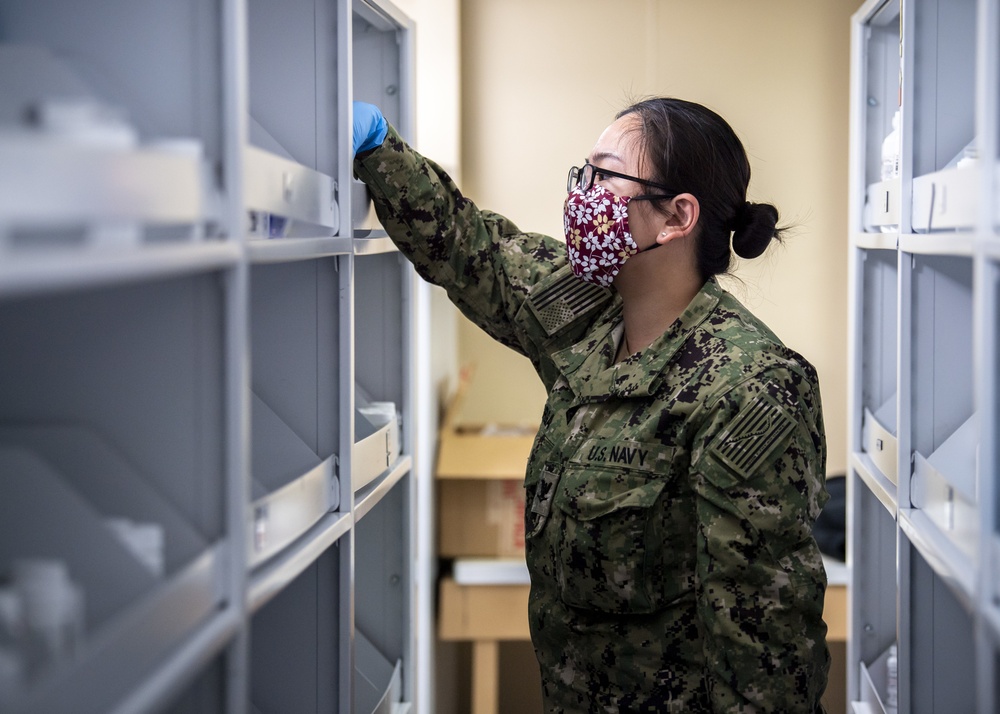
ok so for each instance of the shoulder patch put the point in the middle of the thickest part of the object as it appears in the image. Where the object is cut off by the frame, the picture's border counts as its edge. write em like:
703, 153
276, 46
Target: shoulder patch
753, 435
563, 300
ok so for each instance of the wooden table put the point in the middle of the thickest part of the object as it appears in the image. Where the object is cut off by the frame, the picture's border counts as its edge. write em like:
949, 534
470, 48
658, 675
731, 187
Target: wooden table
489, 614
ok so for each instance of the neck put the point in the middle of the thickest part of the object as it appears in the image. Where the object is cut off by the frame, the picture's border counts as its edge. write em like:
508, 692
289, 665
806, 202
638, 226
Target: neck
656, 287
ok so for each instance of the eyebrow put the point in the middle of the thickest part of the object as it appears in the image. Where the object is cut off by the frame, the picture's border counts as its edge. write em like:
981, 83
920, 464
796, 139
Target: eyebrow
602, 155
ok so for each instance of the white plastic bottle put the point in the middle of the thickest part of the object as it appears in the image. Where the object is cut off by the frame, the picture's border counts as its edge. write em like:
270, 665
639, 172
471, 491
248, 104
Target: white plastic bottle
53, 610
891, 681
890, 151
143, 540
11, 641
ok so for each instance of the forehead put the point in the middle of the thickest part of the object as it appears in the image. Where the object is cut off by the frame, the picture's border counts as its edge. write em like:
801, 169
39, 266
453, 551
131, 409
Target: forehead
619, 144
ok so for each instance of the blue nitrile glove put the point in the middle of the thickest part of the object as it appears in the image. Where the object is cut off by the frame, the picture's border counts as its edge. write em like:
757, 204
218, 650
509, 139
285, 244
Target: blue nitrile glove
370, 127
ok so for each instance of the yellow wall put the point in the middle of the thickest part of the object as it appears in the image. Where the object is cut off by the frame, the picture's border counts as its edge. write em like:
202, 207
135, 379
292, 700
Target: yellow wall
540, 80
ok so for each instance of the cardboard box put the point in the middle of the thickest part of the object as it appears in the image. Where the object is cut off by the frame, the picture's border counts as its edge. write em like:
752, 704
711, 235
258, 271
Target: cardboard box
480, 472
482, 519
473, 452
477, 612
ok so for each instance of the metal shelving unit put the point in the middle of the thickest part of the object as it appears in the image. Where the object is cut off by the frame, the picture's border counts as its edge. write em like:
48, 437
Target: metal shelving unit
923, 355
207, 367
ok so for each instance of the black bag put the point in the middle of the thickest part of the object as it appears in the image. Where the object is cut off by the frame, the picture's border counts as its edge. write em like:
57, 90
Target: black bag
830, 529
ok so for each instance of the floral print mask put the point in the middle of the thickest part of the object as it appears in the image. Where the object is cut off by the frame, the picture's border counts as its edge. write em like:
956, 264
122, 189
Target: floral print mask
598, 240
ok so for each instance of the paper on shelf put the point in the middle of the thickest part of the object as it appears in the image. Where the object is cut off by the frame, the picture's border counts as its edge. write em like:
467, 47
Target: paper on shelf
491, 571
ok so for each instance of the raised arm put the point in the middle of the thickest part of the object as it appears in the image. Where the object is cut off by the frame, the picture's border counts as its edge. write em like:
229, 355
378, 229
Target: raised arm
486, 264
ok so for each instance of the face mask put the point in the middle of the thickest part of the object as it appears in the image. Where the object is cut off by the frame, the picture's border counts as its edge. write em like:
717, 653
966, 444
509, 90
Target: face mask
598, 240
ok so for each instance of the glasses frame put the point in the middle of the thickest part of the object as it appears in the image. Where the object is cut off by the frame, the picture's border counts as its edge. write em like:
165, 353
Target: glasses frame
577, 174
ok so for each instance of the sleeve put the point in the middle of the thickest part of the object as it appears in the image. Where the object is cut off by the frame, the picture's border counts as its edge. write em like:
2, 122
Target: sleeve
484, 262
759, 465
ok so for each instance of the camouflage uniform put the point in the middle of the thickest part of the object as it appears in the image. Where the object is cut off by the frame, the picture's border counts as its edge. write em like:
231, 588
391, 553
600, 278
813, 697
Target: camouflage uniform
670, 497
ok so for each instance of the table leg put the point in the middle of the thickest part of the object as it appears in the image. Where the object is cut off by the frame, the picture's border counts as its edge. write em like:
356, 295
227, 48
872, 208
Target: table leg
485, 676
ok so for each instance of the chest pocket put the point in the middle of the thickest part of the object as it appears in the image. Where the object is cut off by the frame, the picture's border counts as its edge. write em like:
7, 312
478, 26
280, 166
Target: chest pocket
609, 554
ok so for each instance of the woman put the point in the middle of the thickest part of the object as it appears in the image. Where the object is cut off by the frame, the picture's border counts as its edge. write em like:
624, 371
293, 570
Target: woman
672, 487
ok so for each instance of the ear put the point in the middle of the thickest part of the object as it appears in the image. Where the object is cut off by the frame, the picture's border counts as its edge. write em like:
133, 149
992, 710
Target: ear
682, 216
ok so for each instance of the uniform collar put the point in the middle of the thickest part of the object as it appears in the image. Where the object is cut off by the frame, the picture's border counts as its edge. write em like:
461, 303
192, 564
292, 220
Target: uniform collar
589, 364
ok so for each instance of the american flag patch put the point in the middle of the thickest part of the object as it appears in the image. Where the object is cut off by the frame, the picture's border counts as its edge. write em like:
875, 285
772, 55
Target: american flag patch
753, 435
563, 301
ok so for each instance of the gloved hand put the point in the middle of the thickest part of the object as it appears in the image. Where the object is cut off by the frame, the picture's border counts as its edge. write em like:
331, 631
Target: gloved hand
370, 127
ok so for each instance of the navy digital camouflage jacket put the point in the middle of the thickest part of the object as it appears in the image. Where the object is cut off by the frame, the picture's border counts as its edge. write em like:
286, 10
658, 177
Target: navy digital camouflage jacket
669, 497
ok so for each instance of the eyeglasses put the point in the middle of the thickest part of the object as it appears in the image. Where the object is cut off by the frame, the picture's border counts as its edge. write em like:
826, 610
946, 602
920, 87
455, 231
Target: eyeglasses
584, 177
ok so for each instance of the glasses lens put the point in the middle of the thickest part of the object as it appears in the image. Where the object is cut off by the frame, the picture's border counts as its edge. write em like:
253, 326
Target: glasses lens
586, 177
571, 180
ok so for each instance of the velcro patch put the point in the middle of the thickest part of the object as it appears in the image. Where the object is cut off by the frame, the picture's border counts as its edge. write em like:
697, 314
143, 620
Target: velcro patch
760, 428
566, 299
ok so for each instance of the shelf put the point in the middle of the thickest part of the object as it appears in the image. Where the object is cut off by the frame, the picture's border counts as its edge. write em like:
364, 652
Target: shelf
286, 250
116, 71
135, 613
293, 72
280, 455
882, 201
995, 213
59, 182
300, 658
197, 667
368, 497
377, 448
275, 575
383, 292
378, 683
45, 517
186, 331
922, 330
881, 487
954, 514
939, 660
83, 266
951, 244
945, 201
279, 518
878, 75
280, 186
880, 444
88, 467
877, 314
182, 615
295, 399
990, 611
954, 462
363, 218
955, 568
941, 95
875, 241
377, 243
873, 685
990, 248
140, 366
943, 488
942, 367
991, 615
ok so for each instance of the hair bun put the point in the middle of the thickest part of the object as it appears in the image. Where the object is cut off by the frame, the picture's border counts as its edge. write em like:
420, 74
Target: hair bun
754, 225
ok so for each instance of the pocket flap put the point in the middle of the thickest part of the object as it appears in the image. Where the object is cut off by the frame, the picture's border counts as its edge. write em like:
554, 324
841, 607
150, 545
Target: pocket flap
595, 493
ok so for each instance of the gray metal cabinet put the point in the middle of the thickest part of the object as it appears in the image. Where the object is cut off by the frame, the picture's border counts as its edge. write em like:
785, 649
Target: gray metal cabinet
207, 361
923, 354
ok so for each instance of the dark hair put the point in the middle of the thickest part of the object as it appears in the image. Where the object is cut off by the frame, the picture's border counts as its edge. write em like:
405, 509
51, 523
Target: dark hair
693, 150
